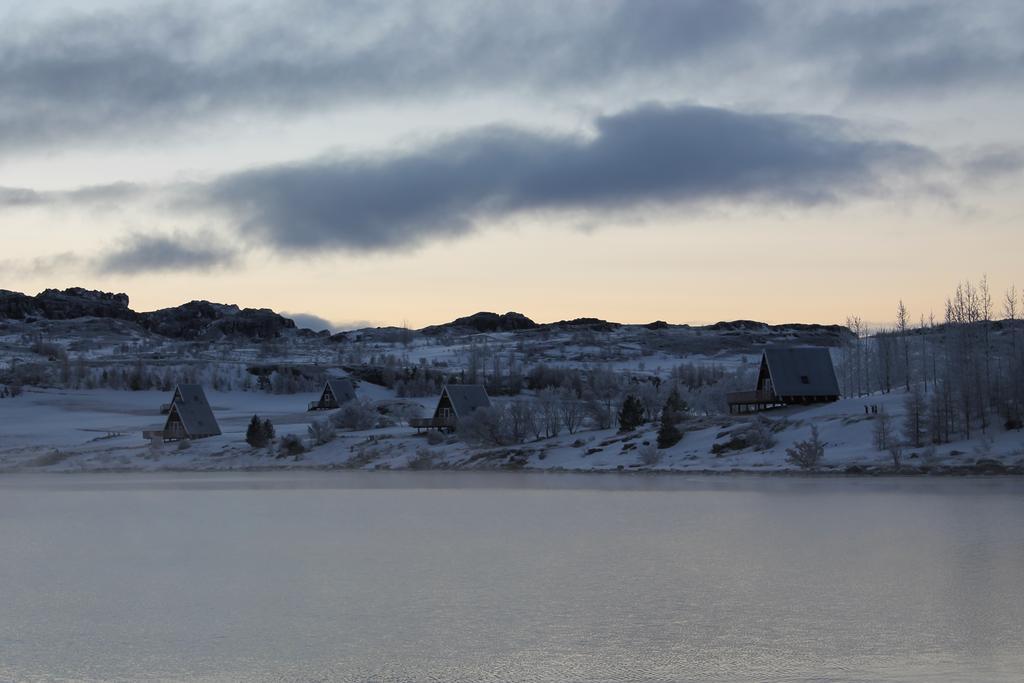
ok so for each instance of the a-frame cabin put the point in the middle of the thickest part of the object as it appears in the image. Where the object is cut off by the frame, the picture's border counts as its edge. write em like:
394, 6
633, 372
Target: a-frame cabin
789, 376
189, 415
337, 391
456, 401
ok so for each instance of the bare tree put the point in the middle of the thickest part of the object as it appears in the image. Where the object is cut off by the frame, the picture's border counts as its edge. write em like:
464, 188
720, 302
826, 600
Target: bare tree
549, 401
571, 410
883, 431
914, 421
902, 325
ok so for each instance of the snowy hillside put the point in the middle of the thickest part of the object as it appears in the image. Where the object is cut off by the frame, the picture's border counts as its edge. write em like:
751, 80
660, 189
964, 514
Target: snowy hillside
100, 430
77, 393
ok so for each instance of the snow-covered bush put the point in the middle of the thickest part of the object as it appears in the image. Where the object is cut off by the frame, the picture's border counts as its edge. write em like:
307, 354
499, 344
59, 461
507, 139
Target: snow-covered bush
650, 455
759, 435
321, 432
290, 445
423, 460
354, 416
485, 427
807, 454
435, 438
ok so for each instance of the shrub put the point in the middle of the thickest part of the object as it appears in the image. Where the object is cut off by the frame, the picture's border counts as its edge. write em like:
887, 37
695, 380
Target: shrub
290, 445
435, 438
807, 454
321, 432
485, 427
54, 457
896, 453
355, 416
649, 455
759, 435
423, 460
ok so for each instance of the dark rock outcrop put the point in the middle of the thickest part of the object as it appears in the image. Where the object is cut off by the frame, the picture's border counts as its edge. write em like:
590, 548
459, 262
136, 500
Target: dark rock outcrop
194, 320
485, 321
75, 302
206, 320
17, 306
595, 324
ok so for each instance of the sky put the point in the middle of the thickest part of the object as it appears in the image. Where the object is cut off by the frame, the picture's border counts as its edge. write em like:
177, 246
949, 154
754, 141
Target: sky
357, 163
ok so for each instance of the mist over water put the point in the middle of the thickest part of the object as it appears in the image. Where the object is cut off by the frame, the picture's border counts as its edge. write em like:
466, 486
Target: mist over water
507, 577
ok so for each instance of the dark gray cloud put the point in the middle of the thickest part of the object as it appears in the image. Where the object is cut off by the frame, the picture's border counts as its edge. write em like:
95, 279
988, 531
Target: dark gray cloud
119, 72
919, 48
650, 155
97, 75
142, 253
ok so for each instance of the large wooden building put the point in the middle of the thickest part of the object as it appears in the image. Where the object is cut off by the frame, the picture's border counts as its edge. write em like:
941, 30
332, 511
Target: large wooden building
456, 401
189, 416
337, 391
789, 375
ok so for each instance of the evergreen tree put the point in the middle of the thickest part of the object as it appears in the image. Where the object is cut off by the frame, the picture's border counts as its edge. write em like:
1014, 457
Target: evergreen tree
268, 430
631, 415
669, 433
675, 403
672, 413
255, 435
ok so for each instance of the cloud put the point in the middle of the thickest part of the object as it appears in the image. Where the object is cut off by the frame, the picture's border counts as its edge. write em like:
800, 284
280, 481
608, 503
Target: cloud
111, 73
142, 253
41, 266
919, 48
994, 163
114, 74
309, 321
16, 197
650, 155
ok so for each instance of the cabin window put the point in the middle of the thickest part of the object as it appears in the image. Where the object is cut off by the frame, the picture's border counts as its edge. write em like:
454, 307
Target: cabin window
804, 379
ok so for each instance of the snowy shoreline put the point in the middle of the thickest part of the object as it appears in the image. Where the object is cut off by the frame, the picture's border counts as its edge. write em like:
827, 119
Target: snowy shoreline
101, 431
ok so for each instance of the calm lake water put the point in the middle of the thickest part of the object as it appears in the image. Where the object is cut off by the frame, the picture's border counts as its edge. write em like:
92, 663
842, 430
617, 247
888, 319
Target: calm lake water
508, 577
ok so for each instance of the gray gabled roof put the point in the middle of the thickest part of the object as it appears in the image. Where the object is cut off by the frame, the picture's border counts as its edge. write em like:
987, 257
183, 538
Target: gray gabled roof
801, 371
194, 410
342, 389
466, 398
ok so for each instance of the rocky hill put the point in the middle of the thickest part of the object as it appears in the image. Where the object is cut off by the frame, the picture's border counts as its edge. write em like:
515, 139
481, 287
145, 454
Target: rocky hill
190, 321
484, 321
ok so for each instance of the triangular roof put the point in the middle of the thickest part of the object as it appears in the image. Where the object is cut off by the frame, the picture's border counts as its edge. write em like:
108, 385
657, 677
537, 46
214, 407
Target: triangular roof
465, 398
193, 410
801, 371
341, 388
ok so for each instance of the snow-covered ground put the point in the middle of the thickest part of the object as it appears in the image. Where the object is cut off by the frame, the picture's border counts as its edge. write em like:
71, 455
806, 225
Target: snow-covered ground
97, 430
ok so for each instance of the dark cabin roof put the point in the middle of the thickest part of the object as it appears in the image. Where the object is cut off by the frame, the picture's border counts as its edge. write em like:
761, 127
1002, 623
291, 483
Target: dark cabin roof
801, 371
194, 410
342, 389
466, 398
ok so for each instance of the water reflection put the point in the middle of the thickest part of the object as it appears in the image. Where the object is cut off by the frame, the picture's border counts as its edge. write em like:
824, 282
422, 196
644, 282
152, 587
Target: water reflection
501, 576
